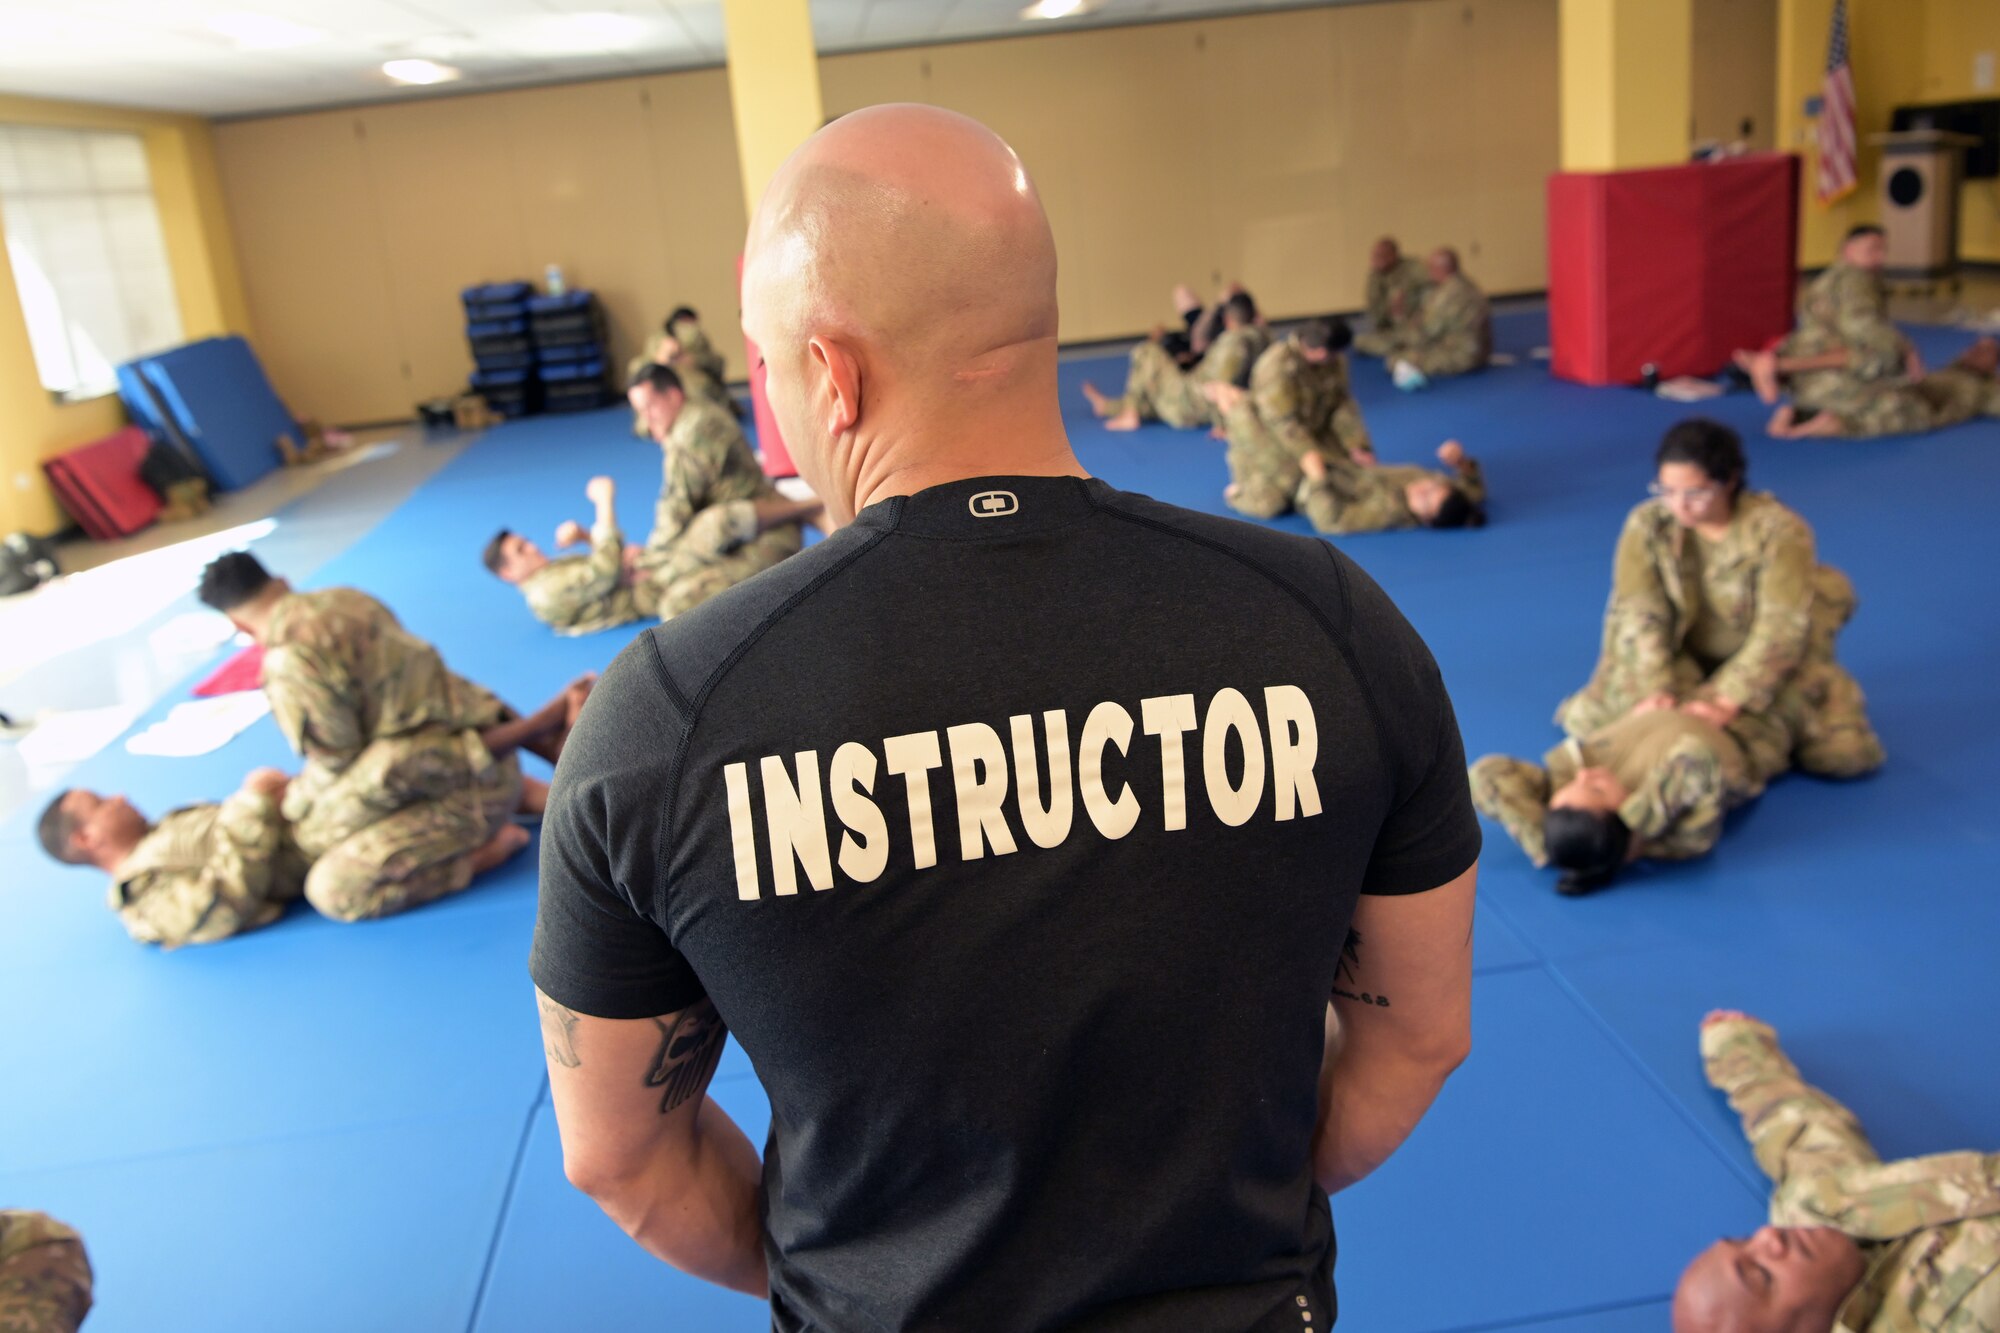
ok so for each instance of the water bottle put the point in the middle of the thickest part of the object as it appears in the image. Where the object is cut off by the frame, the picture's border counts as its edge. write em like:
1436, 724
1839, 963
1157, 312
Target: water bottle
553, 278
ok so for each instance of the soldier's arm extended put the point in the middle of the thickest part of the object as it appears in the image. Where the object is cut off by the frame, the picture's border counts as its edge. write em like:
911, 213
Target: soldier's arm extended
1677, 813
694, 465
1516, 793
1794, 1129
1776, 644
642, 1138
1638, 623
45, 1279
315, 705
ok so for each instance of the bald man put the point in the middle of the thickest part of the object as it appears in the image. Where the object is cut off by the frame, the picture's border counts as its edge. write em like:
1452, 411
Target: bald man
1014, 830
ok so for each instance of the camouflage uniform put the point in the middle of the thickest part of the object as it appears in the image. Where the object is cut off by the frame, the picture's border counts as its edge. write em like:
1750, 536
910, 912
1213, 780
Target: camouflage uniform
1683, 775
699, 352
1159, 390
1395, 296
702, 370
1929, 1227
398, 789
1453, 333
206, 872
1356, 498
1294, 406
1750, 619
705, 535
582, 594
44, 1274
1942, 398
1846, 308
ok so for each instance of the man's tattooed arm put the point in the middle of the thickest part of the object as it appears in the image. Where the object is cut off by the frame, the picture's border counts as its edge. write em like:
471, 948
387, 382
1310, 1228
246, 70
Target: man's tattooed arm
558, 1032
690, 1048
1347, 975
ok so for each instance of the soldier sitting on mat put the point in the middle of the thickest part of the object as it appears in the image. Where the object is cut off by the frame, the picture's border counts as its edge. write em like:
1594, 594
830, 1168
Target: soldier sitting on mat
1397, 284
1452, 333
682, 345
45, 1279
201, 874
1844, 340
1855, 1244
1156, 389
411, 778
1655, 783
1961, 391
612, 584
719, 519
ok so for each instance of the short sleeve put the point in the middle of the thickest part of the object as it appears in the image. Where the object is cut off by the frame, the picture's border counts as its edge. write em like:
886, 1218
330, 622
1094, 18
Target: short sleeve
598, 949
1430, 835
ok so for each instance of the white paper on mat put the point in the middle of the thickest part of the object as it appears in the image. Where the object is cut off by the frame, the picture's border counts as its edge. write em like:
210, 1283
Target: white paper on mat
200, 726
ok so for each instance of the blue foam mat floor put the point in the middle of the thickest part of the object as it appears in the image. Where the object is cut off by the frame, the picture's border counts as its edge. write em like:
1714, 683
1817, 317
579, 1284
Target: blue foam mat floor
356, 1116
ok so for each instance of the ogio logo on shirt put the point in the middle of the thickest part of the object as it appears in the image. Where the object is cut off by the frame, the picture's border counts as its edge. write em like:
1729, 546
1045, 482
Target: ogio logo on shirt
993, 504
991, 774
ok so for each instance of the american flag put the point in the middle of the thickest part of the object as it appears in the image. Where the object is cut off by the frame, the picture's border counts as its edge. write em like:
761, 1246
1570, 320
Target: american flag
1836, 115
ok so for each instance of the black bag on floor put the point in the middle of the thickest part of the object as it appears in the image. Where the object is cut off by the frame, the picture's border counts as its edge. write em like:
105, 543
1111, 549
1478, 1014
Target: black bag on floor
25, 562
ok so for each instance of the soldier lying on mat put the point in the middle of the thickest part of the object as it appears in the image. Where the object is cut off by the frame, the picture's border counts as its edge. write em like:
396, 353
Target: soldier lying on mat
614, 583
1965, 389
1856, 1244
411, 776
1656, 783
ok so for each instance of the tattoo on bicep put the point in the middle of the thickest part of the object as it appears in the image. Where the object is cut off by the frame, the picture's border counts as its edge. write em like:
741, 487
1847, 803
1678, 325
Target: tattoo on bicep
1348, 970
690, 1048
558, 1032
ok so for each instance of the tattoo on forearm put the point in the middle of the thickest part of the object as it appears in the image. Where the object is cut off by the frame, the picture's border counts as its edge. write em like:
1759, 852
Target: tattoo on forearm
690, 1048
558, 1032
1348, 970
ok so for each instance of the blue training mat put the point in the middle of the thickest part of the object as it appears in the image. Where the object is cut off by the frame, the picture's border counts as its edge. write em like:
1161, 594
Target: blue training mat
355, 1115
217, 394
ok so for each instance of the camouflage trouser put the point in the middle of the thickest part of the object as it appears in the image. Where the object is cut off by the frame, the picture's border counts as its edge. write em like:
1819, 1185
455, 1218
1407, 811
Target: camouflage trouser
1820, 709
400, 826
1516, 793
44, 1274
1159, 390
1264, 477
717, 550
1453, 354
1380, 341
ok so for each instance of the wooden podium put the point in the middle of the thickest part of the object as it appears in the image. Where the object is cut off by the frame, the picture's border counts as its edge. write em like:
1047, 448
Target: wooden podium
1919, 185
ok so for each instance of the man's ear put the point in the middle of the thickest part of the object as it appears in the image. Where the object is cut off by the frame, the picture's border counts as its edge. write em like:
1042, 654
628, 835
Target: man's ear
837, 395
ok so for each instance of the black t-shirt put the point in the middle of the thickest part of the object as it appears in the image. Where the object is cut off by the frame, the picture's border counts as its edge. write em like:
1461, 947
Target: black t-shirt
1073, 793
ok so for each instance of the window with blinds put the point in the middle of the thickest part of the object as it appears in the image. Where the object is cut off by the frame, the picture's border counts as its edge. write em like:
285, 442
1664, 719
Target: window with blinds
89, 259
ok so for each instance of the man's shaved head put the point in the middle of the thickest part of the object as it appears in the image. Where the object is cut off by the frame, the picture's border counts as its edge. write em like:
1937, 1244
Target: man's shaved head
900, 272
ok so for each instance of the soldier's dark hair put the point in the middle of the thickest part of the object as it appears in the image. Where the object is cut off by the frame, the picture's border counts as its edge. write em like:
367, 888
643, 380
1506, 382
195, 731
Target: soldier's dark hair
681, 312
58, 831
496, 551
1329, 333
1241, 307
658, 378
232, 579
1709, 445
1588, 846
1457, 511
1860, 229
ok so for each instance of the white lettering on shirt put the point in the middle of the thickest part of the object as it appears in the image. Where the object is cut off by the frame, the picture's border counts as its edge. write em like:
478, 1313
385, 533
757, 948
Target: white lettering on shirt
1283, 745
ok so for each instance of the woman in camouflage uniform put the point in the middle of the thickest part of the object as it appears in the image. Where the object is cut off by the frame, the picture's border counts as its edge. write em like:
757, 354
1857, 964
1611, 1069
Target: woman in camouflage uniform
1720, 607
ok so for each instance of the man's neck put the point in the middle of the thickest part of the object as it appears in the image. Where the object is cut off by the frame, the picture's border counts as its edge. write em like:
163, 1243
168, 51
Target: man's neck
908, 466
114, 860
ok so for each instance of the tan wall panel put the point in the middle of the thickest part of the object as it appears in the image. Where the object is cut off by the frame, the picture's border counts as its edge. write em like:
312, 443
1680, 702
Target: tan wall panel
443, 193
1515, 122
1736, 70
701, 224
310, 248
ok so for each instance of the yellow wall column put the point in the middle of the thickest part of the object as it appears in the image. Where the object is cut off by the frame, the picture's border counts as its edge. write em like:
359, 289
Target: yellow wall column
1627, 83
773, 85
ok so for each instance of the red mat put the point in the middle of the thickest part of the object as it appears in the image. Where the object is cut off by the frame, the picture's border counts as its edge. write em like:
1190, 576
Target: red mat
100, 485
245, 671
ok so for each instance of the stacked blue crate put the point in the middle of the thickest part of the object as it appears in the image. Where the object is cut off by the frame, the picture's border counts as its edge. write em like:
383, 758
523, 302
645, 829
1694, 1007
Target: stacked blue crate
503, 352
568, 333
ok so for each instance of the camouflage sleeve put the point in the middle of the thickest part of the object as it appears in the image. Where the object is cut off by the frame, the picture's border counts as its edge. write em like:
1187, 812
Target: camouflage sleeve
1376, 302
1516, 793
1226, 362
1874, 346
1351, 500
1278, 403
1446, 312
1776, 644
693, 467
45, 1279
559, 593
1472, 480
225, 897
1794, 1129
314, 704
250, 836
1638, 625
1677, 814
